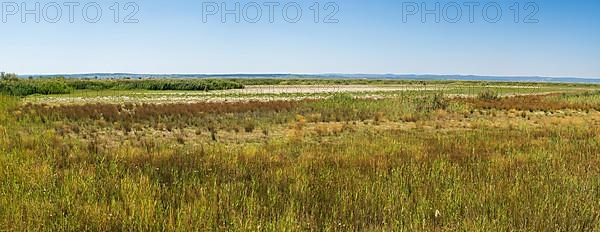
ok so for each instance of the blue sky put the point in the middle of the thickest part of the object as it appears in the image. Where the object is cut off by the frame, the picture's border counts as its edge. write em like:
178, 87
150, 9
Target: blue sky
370, 37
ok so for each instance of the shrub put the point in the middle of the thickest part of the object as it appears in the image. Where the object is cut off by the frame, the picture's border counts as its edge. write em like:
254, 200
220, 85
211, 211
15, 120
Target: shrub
438, 102
8, 76
180, 138
433, 103
488, 95
30, 87
249, 126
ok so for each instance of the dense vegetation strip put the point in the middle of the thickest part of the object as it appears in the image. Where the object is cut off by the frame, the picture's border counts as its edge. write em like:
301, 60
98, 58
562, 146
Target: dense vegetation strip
46, 86
414, 83
156, 84
579, 101
30, 87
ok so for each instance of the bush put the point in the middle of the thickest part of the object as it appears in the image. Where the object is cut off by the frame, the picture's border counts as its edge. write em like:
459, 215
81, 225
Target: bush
431, 103
30, 87
438, 102
488, 95
8, 76
249, 126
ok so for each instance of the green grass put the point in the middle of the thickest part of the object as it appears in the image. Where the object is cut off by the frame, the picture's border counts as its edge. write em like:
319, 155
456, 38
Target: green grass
589, 97
395, 180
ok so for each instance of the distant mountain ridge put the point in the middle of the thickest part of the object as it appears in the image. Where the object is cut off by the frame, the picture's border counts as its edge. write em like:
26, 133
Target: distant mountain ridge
336, 75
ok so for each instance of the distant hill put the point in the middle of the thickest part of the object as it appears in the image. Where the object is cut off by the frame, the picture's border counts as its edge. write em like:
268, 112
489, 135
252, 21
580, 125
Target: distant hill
344, 76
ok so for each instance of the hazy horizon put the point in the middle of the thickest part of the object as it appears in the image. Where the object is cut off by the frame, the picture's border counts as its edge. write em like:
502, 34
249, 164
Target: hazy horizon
306, 74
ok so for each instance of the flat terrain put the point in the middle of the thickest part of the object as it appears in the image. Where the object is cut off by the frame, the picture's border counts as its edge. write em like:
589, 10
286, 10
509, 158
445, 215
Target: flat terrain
422, 156
294, 92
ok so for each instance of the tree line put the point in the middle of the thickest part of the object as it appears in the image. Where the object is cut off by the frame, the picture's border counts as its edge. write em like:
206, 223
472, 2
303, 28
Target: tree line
11, 84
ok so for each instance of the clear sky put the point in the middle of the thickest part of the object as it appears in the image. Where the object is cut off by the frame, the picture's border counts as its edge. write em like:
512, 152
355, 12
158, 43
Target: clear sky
370, 37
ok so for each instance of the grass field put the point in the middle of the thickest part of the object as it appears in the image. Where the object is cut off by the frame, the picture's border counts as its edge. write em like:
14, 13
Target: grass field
304, 155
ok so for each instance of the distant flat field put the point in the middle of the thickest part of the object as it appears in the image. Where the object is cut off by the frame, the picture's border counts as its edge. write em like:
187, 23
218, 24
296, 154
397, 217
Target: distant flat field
282, 89
289, 92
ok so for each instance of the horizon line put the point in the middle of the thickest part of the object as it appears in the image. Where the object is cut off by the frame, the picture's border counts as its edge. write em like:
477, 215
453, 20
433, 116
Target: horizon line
307, 74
